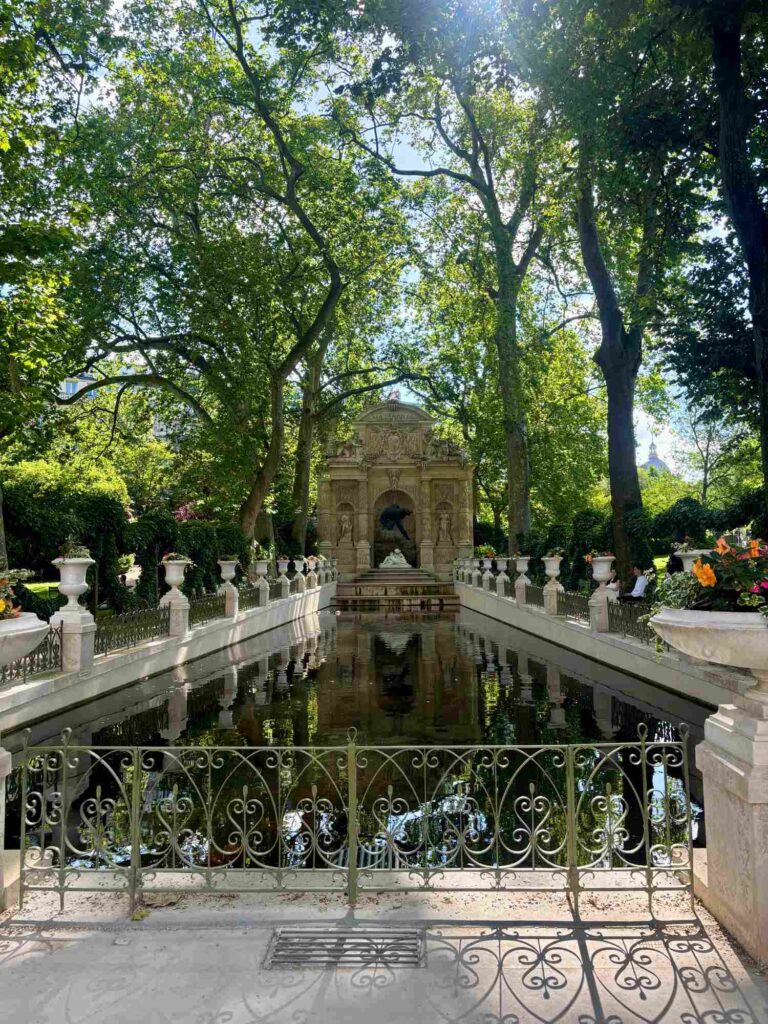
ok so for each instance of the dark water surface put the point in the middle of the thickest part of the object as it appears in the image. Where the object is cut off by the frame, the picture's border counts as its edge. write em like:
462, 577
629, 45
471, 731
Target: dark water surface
396, 681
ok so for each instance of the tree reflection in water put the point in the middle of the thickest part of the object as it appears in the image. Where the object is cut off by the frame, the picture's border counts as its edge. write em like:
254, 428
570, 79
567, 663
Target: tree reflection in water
466, 745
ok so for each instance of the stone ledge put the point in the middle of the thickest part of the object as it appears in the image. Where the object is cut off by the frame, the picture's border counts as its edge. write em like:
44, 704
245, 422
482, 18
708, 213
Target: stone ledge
43, 695
711, 686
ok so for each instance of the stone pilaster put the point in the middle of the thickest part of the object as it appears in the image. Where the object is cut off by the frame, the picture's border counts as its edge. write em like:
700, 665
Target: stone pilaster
5, 771
733, 760
78, 635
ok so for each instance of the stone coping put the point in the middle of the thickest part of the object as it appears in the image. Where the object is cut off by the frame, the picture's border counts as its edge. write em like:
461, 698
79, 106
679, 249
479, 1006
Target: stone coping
709, 684
46, 694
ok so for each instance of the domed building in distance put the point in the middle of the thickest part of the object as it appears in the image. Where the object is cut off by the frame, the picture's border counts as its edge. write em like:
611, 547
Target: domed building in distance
654, 462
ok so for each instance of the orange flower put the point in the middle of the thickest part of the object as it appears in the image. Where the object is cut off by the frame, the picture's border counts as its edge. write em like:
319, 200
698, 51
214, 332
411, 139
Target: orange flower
704, 573
722, 546
754, 548
588, 559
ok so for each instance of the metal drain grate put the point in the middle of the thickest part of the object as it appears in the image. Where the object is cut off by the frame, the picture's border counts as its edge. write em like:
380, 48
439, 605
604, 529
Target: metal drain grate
357, 947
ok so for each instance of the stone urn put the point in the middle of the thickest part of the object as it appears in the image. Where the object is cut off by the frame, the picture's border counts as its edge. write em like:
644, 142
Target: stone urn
501, 564
689, 557
601, 569
282, 566
312, 560
228, 569
300, 563
260, 567
486, 563
552, 566
174, 573
20, 636
739, 639
72, 585
521, 564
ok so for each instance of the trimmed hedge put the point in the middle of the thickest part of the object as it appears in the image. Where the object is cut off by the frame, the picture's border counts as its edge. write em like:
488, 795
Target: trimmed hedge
157, 533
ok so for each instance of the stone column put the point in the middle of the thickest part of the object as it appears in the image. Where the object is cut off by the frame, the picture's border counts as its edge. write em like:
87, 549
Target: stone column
465, 517
552, 587
427, 546
78, 626
488, 575
598, 610
475, 578
733, 760
178, 603
228, 589
78, 635
502, 579
522, 581
301, 579
363, 546
325, 531
5, 771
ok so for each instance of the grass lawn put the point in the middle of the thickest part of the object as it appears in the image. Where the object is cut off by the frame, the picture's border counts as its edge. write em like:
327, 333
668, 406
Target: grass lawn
42, 588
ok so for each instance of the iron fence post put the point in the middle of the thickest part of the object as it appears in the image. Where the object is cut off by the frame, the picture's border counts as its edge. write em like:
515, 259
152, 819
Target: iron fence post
684, 731
133, 874
352, 822
571, 843
642, 732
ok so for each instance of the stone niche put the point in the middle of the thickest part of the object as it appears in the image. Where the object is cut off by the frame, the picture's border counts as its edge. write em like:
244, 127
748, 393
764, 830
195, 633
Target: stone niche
394, 484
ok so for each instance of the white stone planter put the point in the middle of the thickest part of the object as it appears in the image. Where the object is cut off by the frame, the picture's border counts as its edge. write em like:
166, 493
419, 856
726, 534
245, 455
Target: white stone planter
689, 557
601, 569
725, 638
282, 566
228, 569
174, 572
487, 563
72, 584
260, 567
521, 564
552, 565
20, 636
501, 564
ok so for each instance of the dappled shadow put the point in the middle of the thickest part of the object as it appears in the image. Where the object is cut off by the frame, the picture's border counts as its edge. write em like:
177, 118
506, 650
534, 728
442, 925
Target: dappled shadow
477, 972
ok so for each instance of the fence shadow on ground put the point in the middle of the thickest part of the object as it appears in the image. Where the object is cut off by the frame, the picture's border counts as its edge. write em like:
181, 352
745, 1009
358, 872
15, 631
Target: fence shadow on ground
475, 973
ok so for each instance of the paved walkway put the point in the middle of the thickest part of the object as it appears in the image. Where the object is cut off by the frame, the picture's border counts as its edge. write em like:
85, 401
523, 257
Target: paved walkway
202, 962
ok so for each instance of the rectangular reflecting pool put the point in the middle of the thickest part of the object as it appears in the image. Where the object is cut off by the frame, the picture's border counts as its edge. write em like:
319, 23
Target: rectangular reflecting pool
480, 691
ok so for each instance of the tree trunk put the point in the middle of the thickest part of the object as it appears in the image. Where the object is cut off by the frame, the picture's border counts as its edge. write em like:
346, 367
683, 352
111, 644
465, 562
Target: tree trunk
513, 409
3, 549
302, 471
742, 196
620, 380
619, 358
262, 481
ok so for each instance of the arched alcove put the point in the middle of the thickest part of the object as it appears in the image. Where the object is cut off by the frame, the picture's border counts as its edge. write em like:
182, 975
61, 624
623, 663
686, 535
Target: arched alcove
386, 539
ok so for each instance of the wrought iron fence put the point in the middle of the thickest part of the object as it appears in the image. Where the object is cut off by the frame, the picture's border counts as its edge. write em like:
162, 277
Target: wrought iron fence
534, 595
206, 607
144, 819
573, 606
275, 590
46, 657
631, 620
295, 583
130, 628
249, 597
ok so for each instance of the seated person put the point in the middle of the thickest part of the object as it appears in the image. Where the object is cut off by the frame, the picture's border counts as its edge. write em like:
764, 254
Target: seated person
613, 586
674, 564
638, 590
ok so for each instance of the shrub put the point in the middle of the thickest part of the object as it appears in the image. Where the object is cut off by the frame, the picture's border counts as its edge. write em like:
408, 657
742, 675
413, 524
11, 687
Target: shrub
686, 518
45, 503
